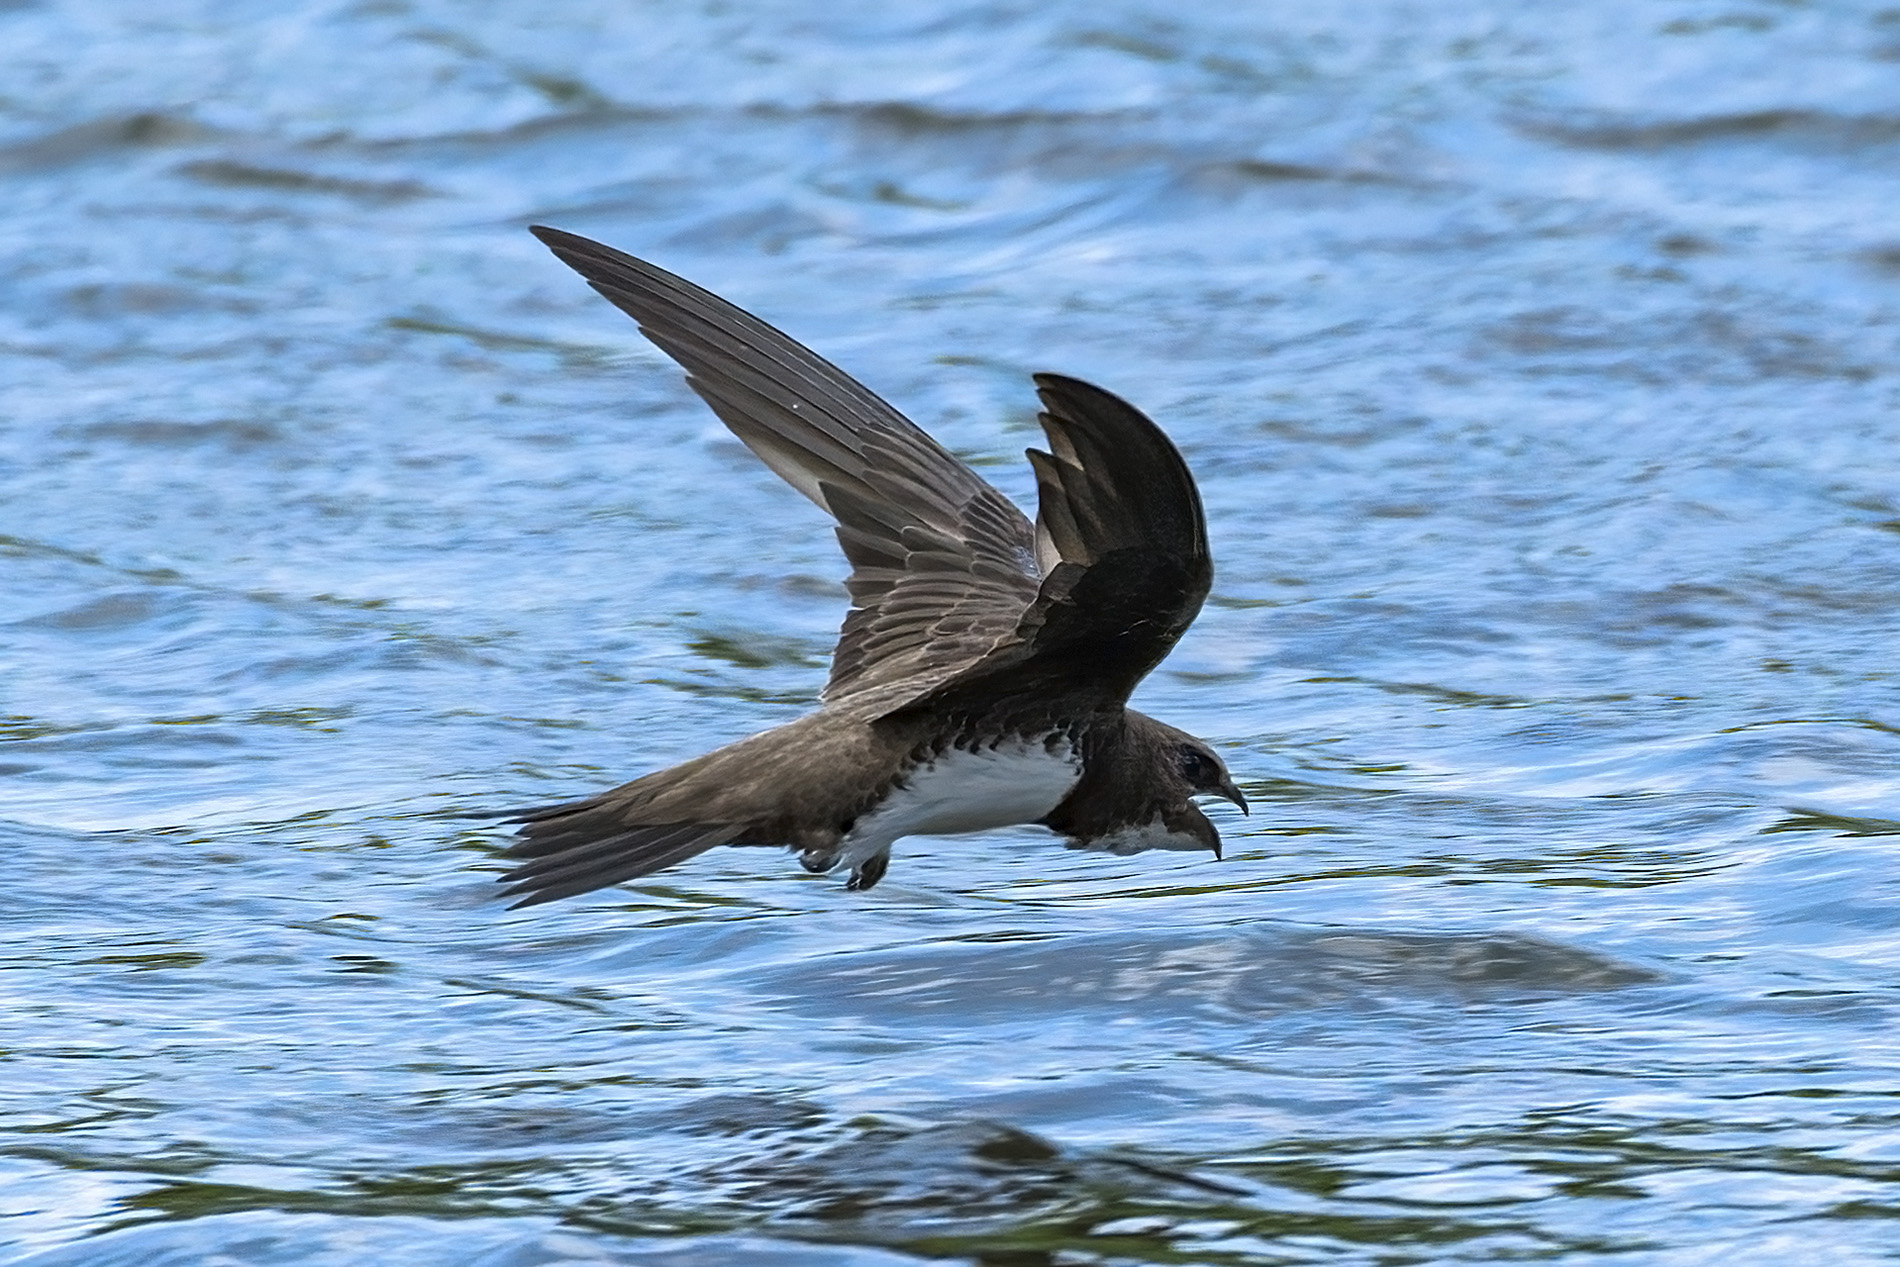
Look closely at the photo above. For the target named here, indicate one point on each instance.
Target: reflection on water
(1537, 366)
(1238, 974)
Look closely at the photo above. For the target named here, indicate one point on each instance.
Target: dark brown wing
(1123, 544)
(943, 565)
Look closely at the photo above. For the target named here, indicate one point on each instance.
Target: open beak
(1232, 793)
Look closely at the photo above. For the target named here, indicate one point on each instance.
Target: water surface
(1539, 368)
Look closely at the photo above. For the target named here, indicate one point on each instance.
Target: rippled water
(1539, 364)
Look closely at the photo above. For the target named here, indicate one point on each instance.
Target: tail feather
(577, 823)
(594, 861)
(538, 813)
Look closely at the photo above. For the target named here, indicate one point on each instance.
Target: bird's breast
(973, 789)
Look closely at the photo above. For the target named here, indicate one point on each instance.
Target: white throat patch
(1150, 835)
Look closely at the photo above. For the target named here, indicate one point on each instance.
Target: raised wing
(943, 565)
(1123, 545)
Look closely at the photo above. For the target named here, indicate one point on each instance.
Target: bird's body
(982, 674)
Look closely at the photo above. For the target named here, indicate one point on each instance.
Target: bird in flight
(982, 675)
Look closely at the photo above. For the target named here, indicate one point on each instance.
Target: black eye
(1196, 768)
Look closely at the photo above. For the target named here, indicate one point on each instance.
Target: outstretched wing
(1123, 545)
(943, 565)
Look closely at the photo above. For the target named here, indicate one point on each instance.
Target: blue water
(1540, 368)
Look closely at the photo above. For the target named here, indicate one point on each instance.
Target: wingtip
(572, 248)
(1058, 389)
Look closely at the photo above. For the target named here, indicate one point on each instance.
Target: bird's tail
(580, 846)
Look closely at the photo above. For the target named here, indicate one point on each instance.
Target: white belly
(969, 791)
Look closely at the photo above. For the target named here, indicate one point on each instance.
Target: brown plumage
(982, 673)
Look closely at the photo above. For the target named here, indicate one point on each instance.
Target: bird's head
(1174, 768)
(1204, 773)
